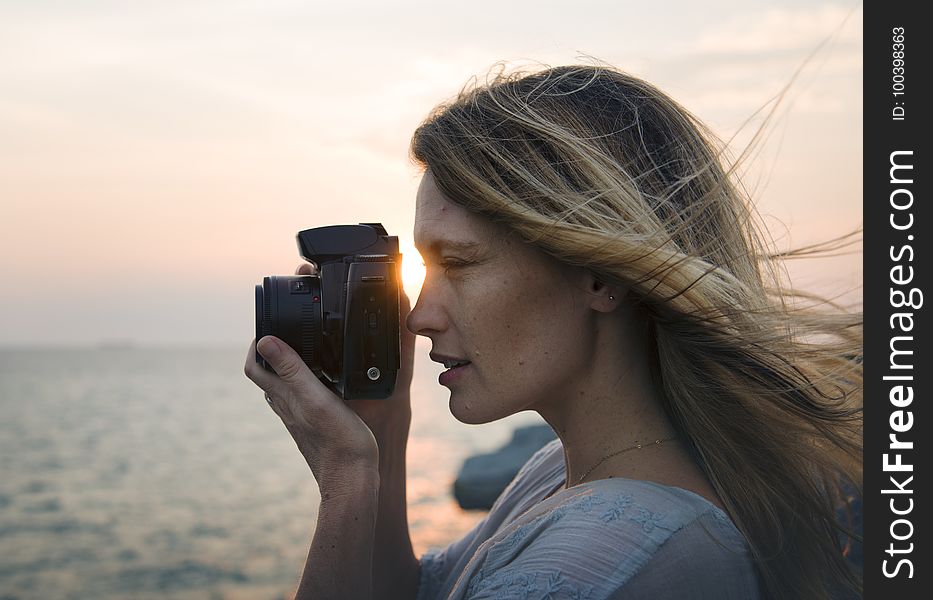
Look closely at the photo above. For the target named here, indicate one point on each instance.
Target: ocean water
(161, 473)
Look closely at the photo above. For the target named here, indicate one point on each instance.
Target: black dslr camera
(344, 321)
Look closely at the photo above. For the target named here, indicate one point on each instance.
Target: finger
(257, 374)
(306, 269)
(287, 364)
(293, 380)
(269, 383)
(281, 396)
(291, 376)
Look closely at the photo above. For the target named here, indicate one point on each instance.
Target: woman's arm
(343, 456)
(395, 568)
(338, 564)
(362, 524)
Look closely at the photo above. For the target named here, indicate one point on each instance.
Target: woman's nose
(427, 316)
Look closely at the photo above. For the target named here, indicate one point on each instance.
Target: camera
(343, 321)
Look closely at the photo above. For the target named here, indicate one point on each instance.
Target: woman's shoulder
(597, 537)
(538, 486)
(635, 510)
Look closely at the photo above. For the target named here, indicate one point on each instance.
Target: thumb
(284, 360)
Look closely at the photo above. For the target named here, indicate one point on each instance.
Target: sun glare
(412, 269)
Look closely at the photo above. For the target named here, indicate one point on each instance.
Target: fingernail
(268, 347)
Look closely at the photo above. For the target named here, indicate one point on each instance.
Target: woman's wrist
(344, 477)
(357, 485)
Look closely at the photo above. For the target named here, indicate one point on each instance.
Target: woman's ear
(604, 297)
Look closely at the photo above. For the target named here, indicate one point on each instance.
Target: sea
(133, 472)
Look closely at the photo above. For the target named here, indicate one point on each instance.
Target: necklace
(622, 451)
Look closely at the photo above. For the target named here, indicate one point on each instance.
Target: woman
(589, 258)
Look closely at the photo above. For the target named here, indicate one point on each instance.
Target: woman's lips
(453, 374)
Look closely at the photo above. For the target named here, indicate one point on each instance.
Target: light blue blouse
(611, 538)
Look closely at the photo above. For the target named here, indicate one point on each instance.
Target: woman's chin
(470, 412)
(465, 414)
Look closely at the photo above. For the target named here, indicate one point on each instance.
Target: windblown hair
(602, 170)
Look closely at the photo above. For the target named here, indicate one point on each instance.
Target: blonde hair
(604, 171)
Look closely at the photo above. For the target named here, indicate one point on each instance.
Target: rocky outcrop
(483, 477)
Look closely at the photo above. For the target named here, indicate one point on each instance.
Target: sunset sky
(157, 159)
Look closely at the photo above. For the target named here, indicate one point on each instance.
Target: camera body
(343, 321)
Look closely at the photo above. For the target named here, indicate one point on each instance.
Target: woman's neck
(611, 406)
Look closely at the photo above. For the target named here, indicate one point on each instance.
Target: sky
(157, 159)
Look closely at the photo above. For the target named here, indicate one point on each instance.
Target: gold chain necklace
(622, 451)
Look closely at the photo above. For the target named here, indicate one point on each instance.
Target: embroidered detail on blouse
(587, 503)
(648, 520)
(508, 544)
(506, 583)
(720, 516)
(556, 514)
(617, 508)
(550, 585)
(555, 581)
(517, 536)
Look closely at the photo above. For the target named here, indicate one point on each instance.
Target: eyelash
(451, 263)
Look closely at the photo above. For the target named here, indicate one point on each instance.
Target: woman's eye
(451, 263)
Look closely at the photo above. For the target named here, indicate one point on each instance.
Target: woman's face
(518, 319)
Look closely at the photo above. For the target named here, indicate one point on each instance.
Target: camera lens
(289, 307)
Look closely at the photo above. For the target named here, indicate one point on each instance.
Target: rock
(483, 477)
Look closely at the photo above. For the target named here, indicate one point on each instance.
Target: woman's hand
(331, 437)
(334, 436)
